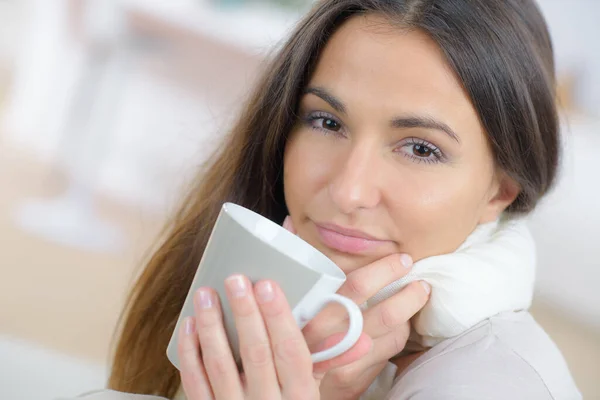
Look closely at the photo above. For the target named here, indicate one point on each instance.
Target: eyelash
(316, 116)
(436, 152)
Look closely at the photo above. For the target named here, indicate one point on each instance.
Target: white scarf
(493, 271)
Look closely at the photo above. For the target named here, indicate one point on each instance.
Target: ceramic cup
(244, 242)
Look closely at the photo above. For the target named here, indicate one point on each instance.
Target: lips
(347, 240)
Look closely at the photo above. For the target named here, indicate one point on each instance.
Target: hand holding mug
(387, 324)
(276, 360)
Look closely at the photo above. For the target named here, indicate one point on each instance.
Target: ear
(503, 192)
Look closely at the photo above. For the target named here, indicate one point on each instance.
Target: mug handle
(354, 330)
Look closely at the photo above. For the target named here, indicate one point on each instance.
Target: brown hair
(500, 50)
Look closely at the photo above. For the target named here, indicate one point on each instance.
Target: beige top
(508, 356)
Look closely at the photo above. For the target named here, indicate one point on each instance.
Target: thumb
(287, 224)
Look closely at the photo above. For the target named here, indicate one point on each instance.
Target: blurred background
(108, 106)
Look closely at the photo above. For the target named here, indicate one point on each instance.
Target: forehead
(371, 48)
(372, 65)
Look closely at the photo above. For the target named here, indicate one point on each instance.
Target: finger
(193, 376)
(388, 315)
(291, 354)
(289, 225)
(359, 374)
(360, 285)
(360, 349)
(388, 346)
(364, 283)
(216, 354)
(392, 333)
(383, 349)
(255, 346)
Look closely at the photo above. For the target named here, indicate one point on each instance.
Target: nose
(355, 183)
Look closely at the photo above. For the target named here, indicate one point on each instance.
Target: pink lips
(347, 240)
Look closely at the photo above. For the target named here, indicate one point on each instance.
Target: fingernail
(426, 286)
(265, 291)
(190, 326)
(406, 260)
(236, 285)
(204, 298)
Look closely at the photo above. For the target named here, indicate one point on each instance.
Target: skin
(419, 190)
(370, 176)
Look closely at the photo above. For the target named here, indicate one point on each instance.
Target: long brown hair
(500, 50)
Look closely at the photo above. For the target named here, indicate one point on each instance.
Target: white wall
(566, 227)
(575, 29)
(146, 131)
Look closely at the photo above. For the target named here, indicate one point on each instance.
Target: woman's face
(388, 155)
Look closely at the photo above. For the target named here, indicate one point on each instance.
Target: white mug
(244, 242)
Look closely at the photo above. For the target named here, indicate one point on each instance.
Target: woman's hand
(387, 324)
(275, 356)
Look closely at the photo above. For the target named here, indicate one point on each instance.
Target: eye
(323, 122)
(330, 124)
(420, 150)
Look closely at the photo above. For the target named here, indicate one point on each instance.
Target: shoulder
(113, 395)
(505, 357)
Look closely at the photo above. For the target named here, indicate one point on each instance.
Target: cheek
(435, 208)
(420, 199)
(456, 187)
(307, 166)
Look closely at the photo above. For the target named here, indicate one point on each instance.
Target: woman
(388, 131)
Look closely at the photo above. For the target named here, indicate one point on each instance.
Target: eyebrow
(412, 121)
(424, 122)
(333, 101)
